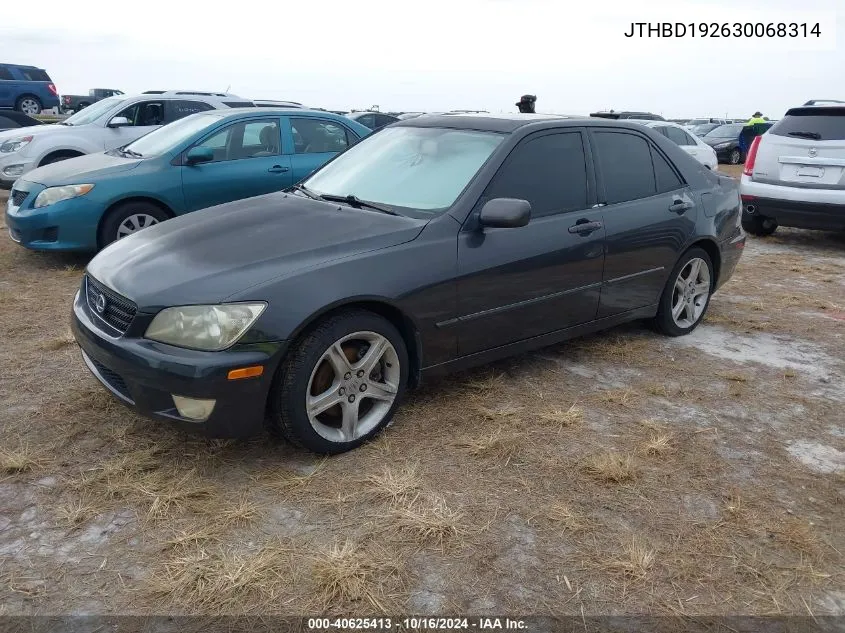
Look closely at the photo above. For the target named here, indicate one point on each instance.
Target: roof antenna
(228, 88)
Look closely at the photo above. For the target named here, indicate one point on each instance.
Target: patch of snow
(818, 457)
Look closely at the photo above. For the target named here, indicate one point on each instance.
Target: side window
(144, 113)
(180, 109)
(316, 136)
(667, 179)
(5, 73)
(248, 139)
(34, 74)
(625, 163)
(679, 137)
(663, 130)
(383, 119)
(549, 171)
(368, 119)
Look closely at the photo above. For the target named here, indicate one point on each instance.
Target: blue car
(202, 160)
(27, 89)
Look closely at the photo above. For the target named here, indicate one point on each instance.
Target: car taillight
(66, 99)
(752, 156)
(52, 88)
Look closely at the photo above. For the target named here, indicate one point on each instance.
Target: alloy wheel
(30, 106)
(353, 386)
(135, 223)
(735, 157)
(690, 294)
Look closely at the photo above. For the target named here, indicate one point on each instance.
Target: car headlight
(722, 145)
(57, 194)
(209, 328)
(15, 144)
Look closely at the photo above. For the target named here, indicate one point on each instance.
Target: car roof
(279, 110)
(505, 122)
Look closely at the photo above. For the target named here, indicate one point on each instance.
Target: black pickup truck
(76, 103)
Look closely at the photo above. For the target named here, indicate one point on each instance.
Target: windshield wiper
(812, 135)
(307, 192)
(355, 201)
(129, 152)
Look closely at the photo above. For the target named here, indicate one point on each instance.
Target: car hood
(716, 140)
(33, 130)
(83, 169)
(224, 252)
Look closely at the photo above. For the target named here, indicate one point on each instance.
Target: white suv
(107, 124)
(795, 173)
(687, 141)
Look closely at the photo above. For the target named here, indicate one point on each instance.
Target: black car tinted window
(679, 137)
(5, 73)
(368, 120)
(667, 178)
(625, 163)
(549, 171)
(179, 109)
(34, 74)
(816, 124)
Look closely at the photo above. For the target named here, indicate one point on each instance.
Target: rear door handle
(679, 206)
(585, 227)
(278, 169)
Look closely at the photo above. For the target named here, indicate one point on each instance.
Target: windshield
(726, 131)
(171, 136)
(704, 128)
(423, 169)
(93, 111)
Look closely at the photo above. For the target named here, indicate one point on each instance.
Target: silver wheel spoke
(349, 426)
(701, 289)
(338, 360)
(326, 400)
(372, 356)
(678, 309)
(381, 391)
(695, 269)
(680, 285)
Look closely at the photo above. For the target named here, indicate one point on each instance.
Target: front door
(315, 141)
(248, 161)
(516, 283)
(649, 217)
(143, 116)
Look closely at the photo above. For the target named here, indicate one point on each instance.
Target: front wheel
(687, 294)
(735, 157)
(129, 218)
(341, 385)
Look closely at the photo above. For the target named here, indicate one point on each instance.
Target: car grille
(112, 379)
(18, 197)
(114, 310)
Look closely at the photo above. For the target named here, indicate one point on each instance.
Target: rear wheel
(128, 218)
(29, 105)
(687, 294)
(735, 157)
(341, 385)
(759, 225)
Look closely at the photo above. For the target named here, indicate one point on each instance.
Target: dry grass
(659, 444)
(77, 512)
(565, 517)
(239, 514)
(635, 560)
(799, 535)
(349, 574)
(499, 444)
(489, 413)
(624, 398)
(562, 417)
(20, 460)
(428, 520)
(58, 343)
(612, 467)
(733, 376)
(395, 484)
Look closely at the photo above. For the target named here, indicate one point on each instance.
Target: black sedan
(12, 119)
(439, 243)
(372, 120)
(725, 140)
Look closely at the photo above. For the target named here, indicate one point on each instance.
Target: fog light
(192, 408)
(13, 170)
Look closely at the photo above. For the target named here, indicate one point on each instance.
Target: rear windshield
(34, 74)
(813, 124)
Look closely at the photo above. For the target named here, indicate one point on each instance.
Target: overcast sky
(436, 54)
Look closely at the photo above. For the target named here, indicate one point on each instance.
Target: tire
(696, 297)
(57, 158)
(120, 220)
(28, 104)
(308, 372)
(735, 157)
(759, 225)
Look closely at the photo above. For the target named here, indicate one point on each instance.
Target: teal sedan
(202, 160)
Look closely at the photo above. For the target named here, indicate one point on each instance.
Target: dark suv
(642, 116)
(27, 89)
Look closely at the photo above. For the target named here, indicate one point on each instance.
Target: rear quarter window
(5, 73)
(813, 124)
(35, 74)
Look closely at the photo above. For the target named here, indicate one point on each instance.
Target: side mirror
(197, 155)
(119, 121)
(505, 213)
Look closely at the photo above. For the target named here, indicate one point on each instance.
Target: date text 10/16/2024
(724, 29)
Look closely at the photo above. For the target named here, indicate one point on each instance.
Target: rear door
(248, 162)
(179, 109)
(805, 149)
(314, 142)
(516, 283)
(649, 215)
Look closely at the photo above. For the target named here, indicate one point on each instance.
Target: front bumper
(16, 165)
(69, 225)
(804, 208)
(145, 375)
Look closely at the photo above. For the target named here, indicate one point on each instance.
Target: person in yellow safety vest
(757, 118)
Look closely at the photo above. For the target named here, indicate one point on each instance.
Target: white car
(795, 173)
(702, 121)
(687, 141)
(105, 125)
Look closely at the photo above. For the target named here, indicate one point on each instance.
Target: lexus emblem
(813, 152)
(101, 304)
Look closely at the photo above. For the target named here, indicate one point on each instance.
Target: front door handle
(679, 206)
(585, 227)
(278, 169)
